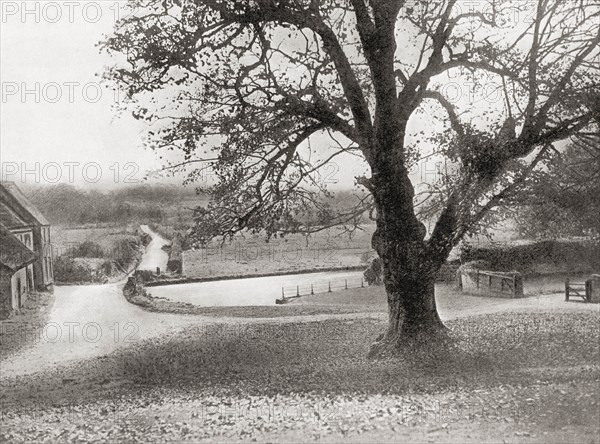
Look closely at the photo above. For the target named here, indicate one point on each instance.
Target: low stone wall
(175, 256)
(447, 273)
(135, 288)
(159, 281)
(490, 283)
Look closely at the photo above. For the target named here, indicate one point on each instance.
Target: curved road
(155, 256)
(88, 321)
(94, 320)
(255, 290)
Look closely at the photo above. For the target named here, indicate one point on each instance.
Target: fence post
(297, 290)
(477, 278)
(329, 287)
(282, 293)
(362, 283)
(567, 290)
(588, 290)
(518, 291)
(311, 289)
(346, 284)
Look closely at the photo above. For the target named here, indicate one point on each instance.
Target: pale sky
(67, 116)
(57, 122)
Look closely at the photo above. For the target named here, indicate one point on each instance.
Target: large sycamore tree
(255, 86)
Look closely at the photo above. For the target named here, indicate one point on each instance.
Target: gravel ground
(84, 322)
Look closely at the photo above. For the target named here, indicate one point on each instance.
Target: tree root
(434, 344)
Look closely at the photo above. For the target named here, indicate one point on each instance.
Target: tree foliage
(565, 200)
(374, 271)
(252, 82)
(269, 91)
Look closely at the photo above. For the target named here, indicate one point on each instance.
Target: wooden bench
(578, 289)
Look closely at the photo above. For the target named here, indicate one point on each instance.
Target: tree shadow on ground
(325, 357)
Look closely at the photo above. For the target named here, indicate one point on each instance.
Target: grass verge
(160, 305)
(517, 377)
(529, 377)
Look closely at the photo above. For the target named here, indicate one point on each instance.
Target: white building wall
(19, 276)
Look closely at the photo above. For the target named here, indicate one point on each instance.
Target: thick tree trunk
(412, 311)
(409, 269)
(409, 279)
(410, 262)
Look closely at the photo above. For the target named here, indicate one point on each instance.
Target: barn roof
(18, 196)
(13, 254)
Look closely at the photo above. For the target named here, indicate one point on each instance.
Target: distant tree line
(66, 204)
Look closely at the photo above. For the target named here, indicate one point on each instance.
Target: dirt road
(92, 320)
(85, 322)
(154, 256)
(95, 320)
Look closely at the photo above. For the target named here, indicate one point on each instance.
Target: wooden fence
(295, 291)
(491, 283)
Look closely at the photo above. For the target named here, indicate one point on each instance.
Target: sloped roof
(9, 218)
(20, 198)
(13, 254)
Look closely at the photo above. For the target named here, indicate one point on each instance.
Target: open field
(250, 254)
(93, 253)
(64, 238)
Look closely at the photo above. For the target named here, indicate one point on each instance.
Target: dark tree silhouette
(253, 86)
(564, 200)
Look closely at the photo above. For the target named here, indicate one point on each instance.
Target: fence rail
(579, 289)
(295, 291)
(491, 283)
(509, 283)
